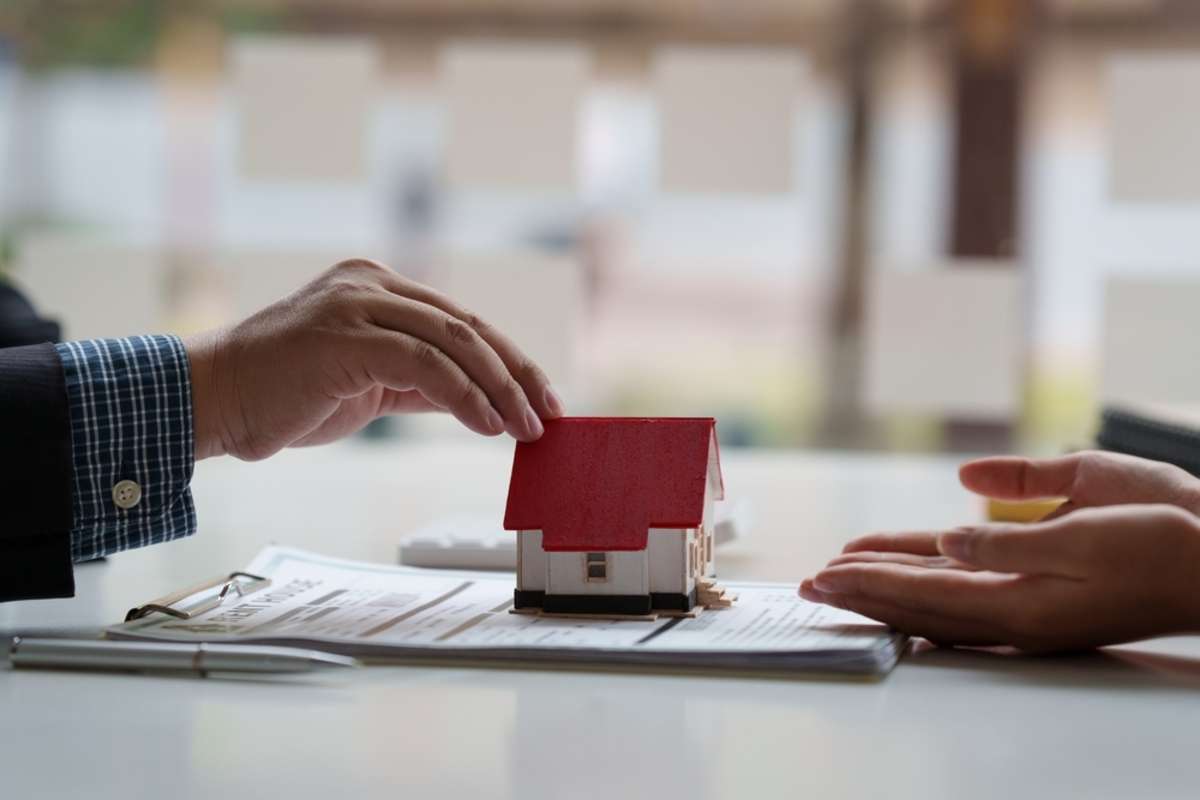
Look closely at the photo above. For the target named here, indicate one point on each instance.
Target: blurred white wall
(911, 148)
(303, 106)
(513, 113)
(90, 151)
(1153, 128)
(94, 287)
(257, 278)
(10, 89)
(1151, 343)
(726, 117)
(945, 342)
(787, 227)
(1076, 233)
(307, 145)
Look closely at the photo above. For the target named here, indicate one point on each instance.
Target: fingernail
(533, 424)
(957, 544)
(831, 583)
(554, 403)
(807, 591)
(495, 422)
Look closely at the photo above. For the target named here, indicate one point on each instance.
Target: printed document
(387, 613)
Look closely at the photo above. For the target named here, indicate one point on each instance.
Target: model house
(615, 516)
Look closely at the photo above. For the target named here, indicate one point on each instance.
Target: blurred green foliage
(111, 33)
(102, 33)
(241, 18)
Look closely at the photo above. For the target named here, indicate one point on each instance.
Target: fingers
(404, 363)
(921, 543)
(409, 402)
(926, 562)
(1063, 509)
(1015, 478)
(966, 595)
(528, 374)
(1054, 585)
(469, 351)
(1050, 548)
(1086, 479)
(937, 628)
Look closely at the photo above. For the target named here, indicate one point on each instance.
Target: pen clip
(237, 583)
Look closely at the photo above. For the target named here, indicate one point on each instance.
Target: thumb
(1039, 549)
(1015, 478)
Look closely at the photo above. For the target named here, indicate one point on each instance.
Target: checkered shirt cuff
(132, 443)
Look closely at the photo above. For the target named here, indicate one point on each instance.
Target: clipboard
(385, 614)
(240, 584)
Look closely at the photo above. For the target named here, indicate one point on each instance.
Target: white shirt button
(127, 494)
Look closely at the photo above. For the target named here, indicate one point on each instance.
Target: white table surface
(1122, 723)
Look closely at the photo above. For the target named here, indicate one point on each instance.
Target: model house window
(597, 566)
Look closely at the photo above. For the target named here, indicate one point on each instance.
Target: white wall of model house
(627, 574)
(666, 554)
(664, 566)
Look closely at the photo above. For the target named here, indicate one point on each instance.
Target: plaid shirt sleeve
(130, 403)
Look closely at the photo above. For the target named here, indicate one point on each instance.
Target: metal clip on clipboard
(238, 583)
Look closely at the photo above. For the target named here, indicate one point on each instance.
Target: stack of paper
(383, 613)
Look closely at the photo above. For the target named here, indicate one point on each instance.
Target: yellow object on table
(1020, 510)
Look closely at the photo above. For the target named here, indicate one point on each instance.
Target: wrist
(202, 350)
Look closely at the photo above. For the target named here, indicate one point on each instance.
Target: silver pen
(100, 654)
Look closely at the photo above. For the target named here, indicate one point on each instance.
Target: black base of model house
(631, 604)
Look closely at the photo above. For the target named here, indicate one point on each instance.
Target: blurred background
(887, 224)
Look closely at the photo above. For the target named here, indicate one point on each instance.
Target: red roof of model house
(594, 483)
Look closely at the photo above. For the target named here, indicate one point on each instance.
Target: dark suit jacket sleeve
(35, 492)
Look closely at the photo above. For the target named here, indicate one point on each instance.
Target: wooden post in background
(984, 206)
(844, 424)
(987, 108)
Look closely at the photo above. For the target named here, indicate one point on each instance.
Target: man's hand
(1086, 480)
(358, 342)
(1087, 579)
